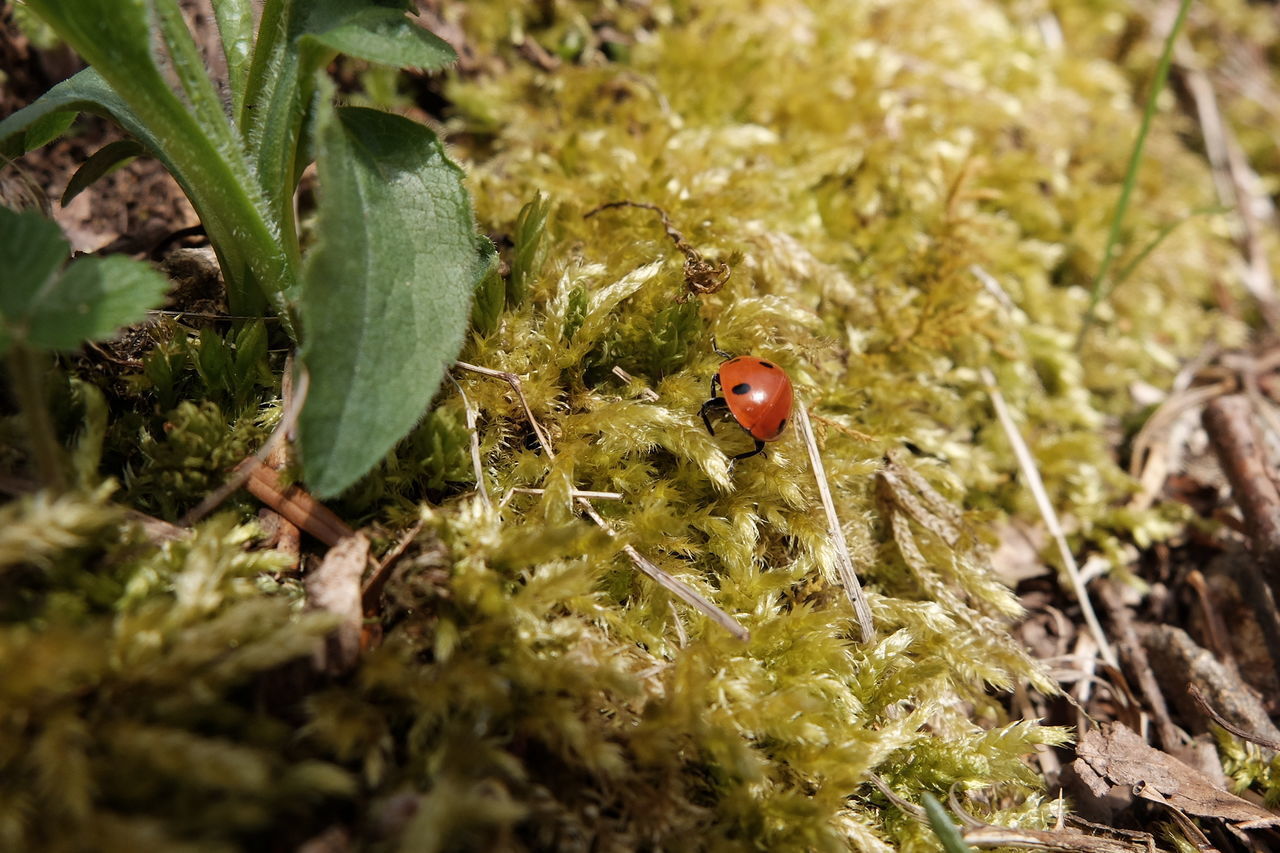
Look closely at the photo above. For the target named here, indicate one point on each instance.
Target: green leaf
(386, 291)
(189, 67)
(100, 163)
(385, 36)
(52, 113)
(250, 367)
(93, 299)
(491, 294)
(295, 41)
(235, 31)
(90, 301)
(32, 249)
(37, 131)
(214, 361)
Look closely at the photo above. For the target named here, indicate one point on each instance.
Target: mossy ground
(864, 168)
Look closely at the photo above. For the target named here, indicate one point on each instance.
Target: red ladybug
(757, 394)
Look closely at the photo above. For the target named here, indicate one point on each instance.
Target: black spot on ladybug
(742, 388)
(781, 424)
(766, 364)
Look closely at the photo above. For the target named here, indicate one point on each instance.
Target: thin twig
(645, 392)
(700, 275)
(844, 563)
(294, 503)
(286, 537)
(1216, 628)
(906, 806)
(1238, 186)
(514, 381)
(1028, 466)
(1039, 839)
(959, 810)
(676, 587)
(372, 590)
(575, 493)
(1242, 455)
(1253, 737)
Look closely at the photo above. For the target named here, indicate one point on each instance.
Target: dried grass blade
(1036, 484)
(844, 563)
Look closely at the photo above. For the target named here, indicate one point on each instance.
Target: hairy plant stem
(26, 372)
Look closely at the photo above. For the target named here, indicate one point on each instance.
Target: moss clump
(128, 718)
(905, 197)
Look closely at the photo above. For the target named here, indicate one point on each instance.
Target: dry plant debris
(1116, 756)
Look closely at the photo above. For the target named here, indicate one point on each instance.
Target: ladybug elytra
(757, 393)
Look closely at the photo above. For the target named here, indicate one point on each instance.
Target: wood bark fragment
(1236, 441)
(1116, 756)
(1178, 660)
(294, 503)
(1229, 422)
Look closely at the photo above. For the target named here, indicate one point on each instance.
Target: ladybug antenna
(719, 351)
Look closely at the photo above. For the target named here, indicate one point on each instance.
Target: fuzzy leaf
(299, 40)
(125, 83)
(90, 301)
(31, 250)
(193, 141)
(51, 114)
(386, 291)
(94, 298)
(379, 34)
(235, 31)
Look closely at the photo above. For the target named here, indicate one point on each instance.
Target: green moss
(904, 197)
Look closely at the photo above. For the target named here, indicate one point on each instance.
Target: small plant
(48, 305)
(379, 305)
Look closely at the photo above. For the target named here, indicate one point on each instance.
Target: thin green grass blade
(948, 834)
(1154, 243)
(1131, 173)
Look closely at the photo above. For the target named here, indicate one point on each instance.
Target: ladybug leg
(716, 405)
(749, 453)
